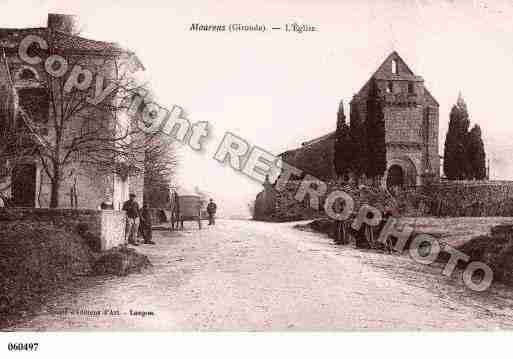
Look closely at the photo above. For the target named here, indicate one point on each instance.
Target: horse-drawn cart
(185, 206)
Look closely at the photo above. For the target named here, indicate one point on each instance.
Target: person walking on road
(132, 220)
(211, 210)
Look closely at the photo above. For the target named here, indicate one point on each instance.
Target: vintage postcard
(261, 166)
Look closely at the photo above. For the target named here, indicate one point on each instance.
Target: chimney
(63, 23)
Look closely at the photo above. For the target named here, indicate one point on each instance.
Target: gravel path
(242, 275)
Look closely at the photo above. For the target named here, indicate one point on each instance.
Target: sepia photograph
(255, 167)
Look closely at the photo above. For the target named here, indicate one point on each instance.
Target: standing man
(146, 223)
(176, 211)
(132, 220)
(211, 210)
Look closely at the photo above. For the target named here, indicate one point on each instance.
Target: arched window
(395, 69)
(26, 74)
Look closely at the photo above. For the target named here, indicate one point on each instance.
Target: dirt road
(242, 275)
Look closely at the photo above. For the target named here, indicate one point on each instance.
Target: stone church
(411, 129)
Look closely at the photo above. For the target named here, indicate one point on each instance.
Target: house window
(390, 87)
(26, 74)
(36, 102)
(410, 88)
(395, 70)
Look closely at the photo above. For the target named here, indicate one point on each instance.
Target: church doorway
(24, 185)
(395, 177)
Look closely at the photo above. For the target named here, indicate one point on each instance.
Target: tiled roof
(6, 32)
(327, 136)
(314, 158)
(63, 41)
(60, 40)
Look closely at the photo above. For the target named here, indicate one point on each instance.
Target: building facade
(411, 129)
(28, 184)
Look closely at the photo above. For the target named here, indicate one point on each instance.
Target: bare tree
(160, 165)
(95, 113)
(84, 128)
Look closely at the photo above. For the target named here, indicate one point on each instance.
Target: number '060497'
(31, 347)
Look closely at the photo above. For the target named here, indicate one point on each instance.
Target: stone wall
(470, 198)
(281, 206)
(285, 207)
(404, 124)
(450, 199)
(106, 227)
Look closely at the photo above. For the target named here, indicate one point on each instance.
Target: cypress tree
(358, 145)
(476, 154)
(342, 150)
(375, 130)
(457, 151)
(452, 164)
(463, 135)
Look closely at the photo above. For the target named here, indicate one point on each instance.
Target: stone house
(28, 185)
(411, 129)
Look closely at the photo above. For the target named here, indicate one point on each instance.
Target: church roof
(384, 72)
(319, 139)
(306, 158)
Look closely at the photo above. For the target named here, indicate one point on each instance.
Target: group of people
(139, 221)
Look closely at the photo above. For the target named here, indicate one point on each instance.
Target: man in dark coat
(146, 224)
(211, 210)
(131, 207)
(175, 213)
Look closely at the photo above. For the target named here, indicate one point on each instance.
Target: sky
(278, 89)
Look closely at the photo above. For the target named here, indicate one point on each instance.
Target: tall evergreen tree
(452, 151)
(342, 150)
(464, 124)
(456, 152)
(358, 148)
(476, 154)
(375, 130)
